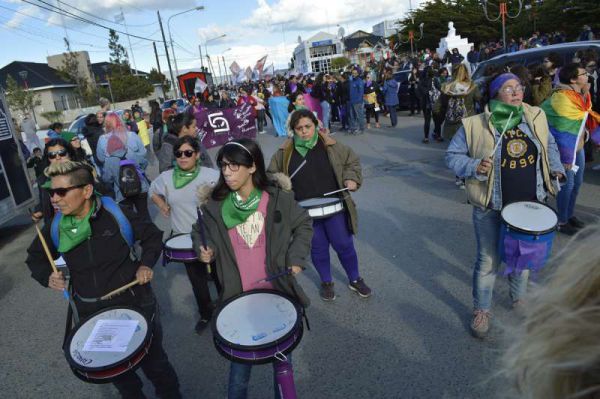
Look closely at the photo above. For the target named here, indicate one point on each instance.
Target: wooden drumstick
(49, 256)
(203, 235)
(119, 290)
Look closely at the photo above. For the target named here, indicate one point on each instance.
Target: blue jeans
(487, 233)
(326, 111)
(393, 115)
(566, 198)
(356, 116)
(239, 376)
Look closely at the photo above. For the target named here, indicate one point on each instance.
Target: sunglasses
(187, 153)
(62, 191)
(59, 153)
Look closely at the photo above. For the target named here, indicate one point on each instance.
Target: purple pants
(333, 231)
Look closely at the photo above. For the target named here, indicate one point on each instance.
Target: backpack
(113, 208)
(456, 109)
(130, 182)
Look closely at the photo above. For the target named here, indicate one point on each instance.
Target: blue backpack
(113, 208)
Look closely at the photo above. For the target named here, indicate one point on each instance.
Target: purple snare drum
(180, 248)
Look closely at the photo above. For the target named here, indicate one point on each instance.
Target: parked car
(403, 97)
(182, 104)
(76, 126)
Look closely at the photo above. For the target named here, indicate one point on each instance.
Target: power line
(100, 18)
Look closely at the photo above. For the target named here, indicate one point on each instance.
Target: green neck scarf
(303, 146)
(297, 107)
(73, 231)
(182, 177)
(235, 210)
(500, 113)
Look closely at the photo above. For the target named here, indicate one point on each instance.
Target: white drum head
(530, 216)
(98, 341)
(314, 202)
(183, 241)
(256, 319)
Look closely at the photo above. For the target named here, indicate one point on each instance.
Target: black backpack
(130, 181)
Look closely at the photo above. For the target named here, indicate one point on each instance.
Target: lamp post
(502, 14)
(411, 38)
(225, 66)
(199, 8)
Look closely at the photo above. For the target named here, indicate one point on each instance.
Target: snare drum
(179, 248)
(319, 208)
(108, 343)
(257, 327)
(528, 229)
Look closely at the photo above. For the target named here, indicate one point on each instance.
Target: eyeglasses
(513, 90)
(234, 167)
(59, 153)
(590, 66)
(582, 74)
(187, 153)
(62, 191)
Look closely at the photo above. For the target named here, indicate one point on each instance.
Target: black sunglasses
(54, 154)
(62, 191)
(187, 153)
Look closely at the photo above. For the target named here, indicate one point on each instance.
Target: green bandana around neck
(297, 107)
(303, 146)
(235, 210)
(73, 231)
(500, 113)
(182, 177)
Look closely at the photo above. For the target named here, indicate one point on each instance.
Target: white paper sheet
(110, 336)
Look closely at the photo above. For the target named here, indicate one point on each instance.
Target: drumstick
(49, 256)
(119, 290)
(274, 276)
(502, 134)
(336, 191)
(203, 234)
(298, 169)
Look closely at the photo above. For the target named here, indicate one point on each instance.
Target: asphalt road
(410, 340)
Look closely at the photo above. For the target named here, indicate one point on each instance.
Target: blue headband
(499, 81)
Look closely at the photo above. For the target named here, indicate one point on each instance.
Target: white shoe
(262, 132)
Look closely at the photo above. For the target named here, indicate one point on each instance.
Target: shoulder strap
(124, 225)
(54, 229)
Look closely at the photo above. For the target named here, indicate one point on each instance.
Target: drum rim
(217, 335)
(337, 200)
(530, 232)
(165, 246)
(77, 366)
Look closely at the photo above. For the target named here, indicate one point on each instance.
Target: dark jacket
(288, 232)
(357, 90)
(95, 270)
(92, 132)
(44, 205)
(38, 165)
(343, 92)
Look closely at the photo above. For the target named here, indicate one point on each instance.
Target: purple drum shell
(260, 355)
(180, 255)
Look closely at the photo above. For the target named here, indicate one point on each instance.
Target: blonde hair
(555, 352)
(78, 172)
(460, 74)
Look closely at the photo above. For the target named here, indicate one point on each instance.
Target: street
(409, 340)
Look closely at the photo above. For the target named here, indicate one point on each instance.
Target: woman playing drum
(522, 168)
(173, 192)
(254, 230)
(318, 165)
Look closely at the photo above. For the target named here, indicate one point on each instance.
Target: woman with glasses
(524, 167)
(57, 150)
(173, 192)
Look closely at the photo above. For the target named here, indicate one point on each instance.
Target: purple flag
(314, 105)
(217, 126)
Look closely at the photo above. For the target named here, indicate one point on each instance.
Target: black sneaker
(575, 222)
(327, 293)
(360, 288)
(201, 326)
(567, 229)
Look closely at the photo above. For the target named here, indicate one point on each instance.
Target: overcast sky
(253, 28)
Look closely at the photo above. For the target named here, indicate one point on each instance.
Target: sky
(252, 28)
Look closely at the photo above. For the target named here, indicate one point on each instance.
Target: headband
(240, 145)
(497, 83)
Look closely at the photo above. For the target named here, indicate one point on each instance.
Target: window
(321, 65)
(322, 51)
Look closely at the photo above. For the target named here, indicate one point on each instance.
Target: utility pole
(173, 83)
(162, 86)
(201, 60)
(220, 73)
(225, 67)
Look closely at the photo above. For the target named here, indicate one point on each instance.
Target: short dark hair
(64, 144)
(302, 113)
(56, 125)
(191, 141)
(236, 154)
(177, 123)
(36, 149)
(555, 59)
(569, 72)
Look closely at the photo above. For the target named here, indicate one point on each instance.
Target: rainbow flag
(566, 110)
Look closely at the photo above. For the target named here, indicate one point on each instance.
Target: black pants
(198, 275)
(140, 203)
(414, 101)
(261, 120)
(370, 111)
(437, 126)
(335, 113)
(155, 364)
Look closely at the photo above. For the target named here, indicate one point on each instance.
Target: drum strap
(305, 318)
(72, 315)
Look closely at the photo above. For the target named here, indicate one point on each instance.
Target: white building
(386, 28)
(315, 54)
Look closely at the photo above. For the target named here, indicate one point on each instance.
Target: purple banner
(217, 126)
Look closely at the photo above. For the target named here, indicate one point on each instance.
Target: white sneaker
(262, 132)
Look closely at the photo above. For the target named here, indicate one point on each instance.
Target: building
(83, 59)
(386, 28)
(361, 48)
(315, 54)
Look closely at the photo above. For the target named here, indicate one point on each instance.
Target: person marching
(319, 164)
(95, 248)
(254, 229)
(521, 169)
(173, 192)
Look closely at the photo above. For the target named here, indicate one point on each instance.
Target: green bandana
(500, 113)
(235, 210)
(297, 107)
(303, 146)
(73, 231)
(182, 177)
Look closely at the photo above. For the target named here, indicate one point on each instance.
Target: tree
(18, 98)
(118, 54)
(71, 71)
(339, 63)
(159, 78)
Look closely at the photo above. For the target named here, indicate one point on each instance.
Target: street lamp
(199, 8)
(503, 13)
(411, 38)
